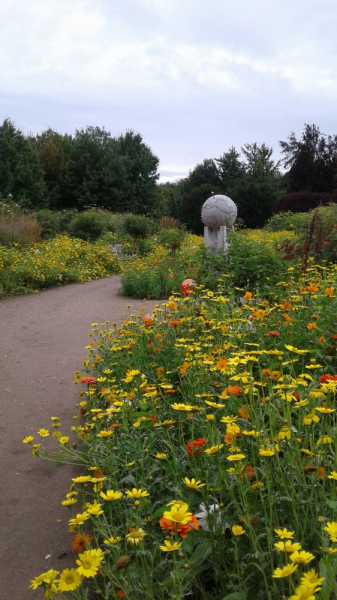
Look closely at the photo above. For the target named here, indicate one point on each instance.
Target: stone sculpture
(218, 214)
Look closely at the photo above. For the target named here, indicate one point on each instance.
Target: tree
(54, 150)
(231, 170)
(21, 174)
(312, 161)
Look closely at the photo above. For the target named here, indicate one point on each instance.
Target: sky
(192, 77)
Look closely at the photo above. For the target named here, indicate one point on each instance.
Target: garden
(206, 431)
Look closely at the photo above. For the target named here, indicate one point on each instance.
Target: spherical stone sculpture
(219, 210)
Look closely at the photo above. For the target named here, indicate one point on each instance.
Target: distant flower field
(60, 260)
(207, 437)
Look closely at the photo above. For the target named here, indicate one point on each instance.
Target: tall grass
(22, 229)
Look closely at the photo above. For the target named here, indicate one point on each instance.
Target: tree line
(92, 168)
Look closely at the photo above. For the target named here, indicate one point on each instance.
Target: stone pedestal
(217, 239)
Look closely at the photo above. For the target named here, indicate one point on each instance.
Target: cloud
(193, 76)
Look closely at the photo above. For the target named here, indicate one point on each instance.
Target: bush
(89, 225)
(137, 225)
(304, 201)
(278, 221)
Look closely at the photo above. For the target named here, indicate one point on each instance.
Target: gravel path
(42, 340)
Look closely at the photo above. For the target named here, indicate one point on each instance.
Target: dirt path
(42, 340)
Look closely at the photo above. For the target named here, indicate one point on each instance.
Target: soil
(42, 342)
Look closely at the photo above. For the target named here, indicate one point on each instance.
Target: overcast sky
(193, 77)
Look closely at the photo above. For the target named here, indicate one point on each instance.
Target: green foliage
(312, 161)
(21, 175)
(172, 238)
(137, 225)
(89, 225)
(53, 223)
(279, 221)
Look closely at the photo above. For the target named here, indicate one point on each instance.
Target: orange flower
(229, 439)
(320, 472)
(174, 323)
(120, 594)
(321, 339)
(235, 390)
(329, 291)
(273, 333)
(243, 413)
(184, 368)
(248, 296)
(79, 543)
(311, 326)
(183, 530)
(286, 305)
(171, 276)
(312, 288)
(222, 363)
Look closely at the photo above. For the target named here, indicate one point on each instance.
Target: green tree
(311, 160)
(231, 171)
(54, 150)
(21, 174)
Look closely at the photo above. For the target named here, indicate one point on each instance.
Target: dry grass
(22, 230)
(169, 223)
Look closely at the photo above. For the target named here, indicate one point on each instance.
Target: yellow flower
(214, 449)
(284, 534)
(63, 440)
(214, 404)
(331, 528)
(210, 418)
(69, 502)
(28, 439)
(135, 536)
(266, 452)
(79, 519)
(285, 572)
(228, 419)
(136, 494)
(288, 546)
(89, 561)
(69, 580)
(310, 578)
(238, 530)
(326, 411)
(104, 434)
(257, 485)
(296, 350)
(325, 439)
(303, 592)
(112, 540)
(43, 432)
(333, 475)
(111, 495)
(181, 406)
(178, 514)
(170, 547)
(193, 484)
(162, 455)
(234, 457)
(47, 577)
(310, 418)
(81, 479)
(301, 558)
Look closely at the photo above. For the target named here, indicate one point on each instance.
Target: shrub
(172, 239)
(304, 201)
(137, 225)
(89, 225)
(169, 223)
(278, 221)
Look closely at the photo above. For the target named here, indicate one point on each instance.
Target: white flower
(205, 513)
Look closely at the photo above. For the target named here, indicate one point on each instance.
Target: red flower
(324, 378)
(153, 417)
(334, 336)
(196, 444)
(174, 323)
(88, 380)
(326, 243)
(273, 333)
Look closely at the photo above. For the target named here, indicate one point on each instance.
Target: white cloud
(181, 71)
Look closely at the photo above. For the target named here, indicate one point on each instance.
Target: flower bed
(55, 261)
(208, 440)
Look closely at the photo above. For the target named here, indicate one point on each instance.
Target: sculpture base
(216, 239)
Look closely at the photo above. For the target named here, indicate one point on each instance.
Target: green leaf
(236, 596)
(332, 503)
(188, 543)
(199, 555)
(159, 512)
(143, 405)
(146, 424)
